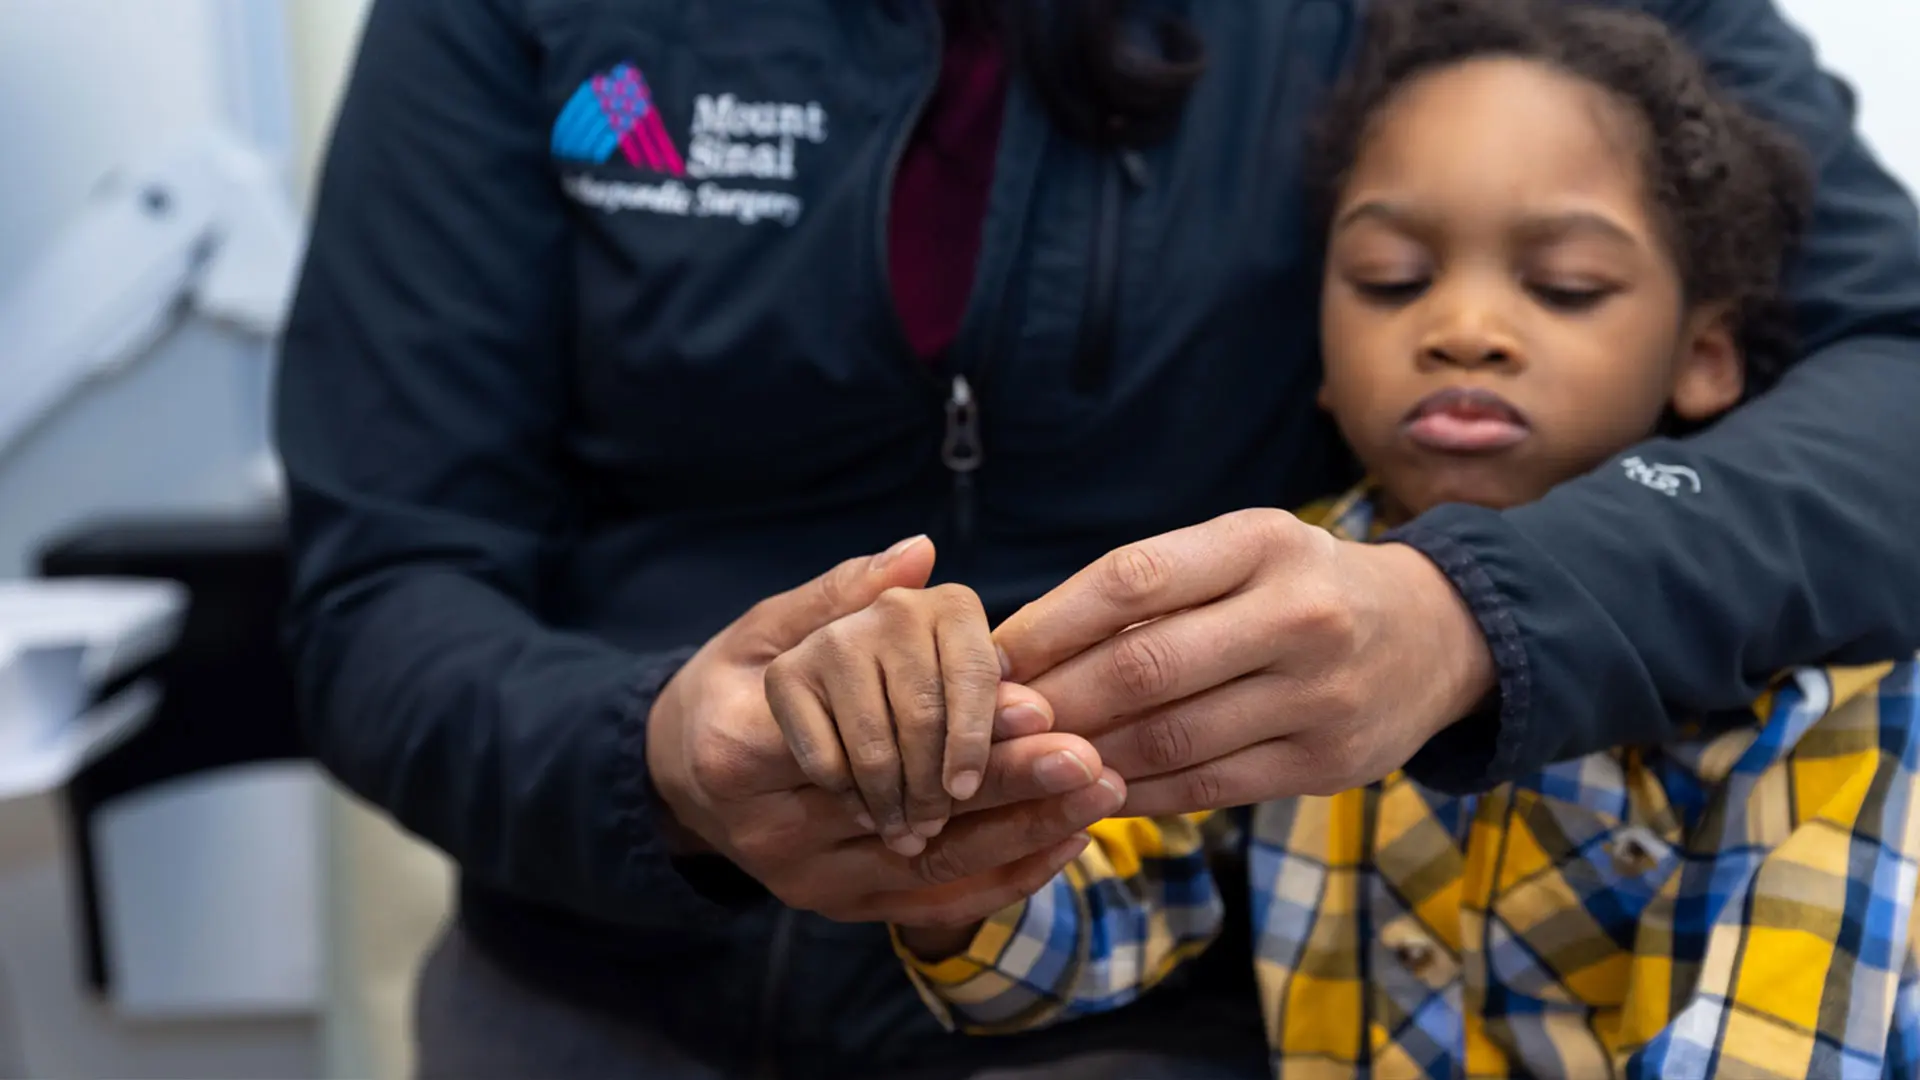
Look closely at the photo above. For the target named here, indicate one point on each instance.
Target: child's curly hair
(1732, 192)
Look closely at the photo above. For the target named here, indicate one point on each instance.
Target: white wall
(321, 37)
(127, 75)
(85, 86)
(118, 97)
(1871, 43)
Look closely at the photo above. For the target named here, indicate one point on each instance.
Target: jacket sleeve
(421, 395)
(1136, 904)
(1677, 579)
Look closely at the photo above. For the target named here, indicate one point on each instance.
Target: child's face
(1501, 313)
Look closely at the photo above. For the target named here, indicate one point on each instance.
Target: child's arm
(1137, 903)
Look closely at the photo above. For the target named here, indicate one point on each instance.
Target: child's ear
(1709, 374)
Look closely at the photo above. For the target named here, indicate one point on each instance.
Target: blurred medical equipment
(160, 845)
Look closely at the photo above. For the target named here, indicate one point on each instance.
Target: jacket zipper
(1125, 168)
(960, 453)
(960, 442)
(962, 448)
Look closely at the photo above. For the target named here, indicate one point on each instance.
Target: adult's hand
(722, 768)
(1249, 658)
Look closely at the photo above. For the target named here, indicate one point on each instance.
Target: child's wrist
(933, 944)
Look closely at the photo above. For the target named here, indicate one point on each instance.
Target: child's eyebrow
(1547, 227)
(1534, 228)
(1378, 210)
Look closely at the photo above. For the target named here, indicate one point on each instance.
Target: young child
(1549, 238)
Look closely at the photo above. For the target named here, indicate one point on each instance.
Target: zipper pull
(960, 450)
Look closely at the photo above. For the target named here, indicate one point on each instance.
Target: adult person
(622, 317)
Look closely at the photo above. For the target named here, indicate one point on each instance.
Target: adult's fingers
(1033, 767)
(1213, 724)
(1255, 774)
(1018, 711)
(979, 843)
(976, 898)
(970, 674)
(1026, 770)
(1135, 583)
(1021, 769)
(1170, 659)
(783, 621)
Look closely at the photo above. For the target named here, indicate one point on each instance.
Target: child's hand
(893, 707)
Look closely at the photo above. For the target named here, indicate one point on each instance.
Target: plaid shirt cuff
(1016, 973)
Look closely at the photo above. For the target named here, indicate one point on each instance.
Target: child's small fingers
(970, 674)
(857, 701)
(808, 727)
(911, 668)
(1020, 711)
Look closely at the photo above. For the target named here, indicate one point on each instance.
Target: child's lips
(1463, 420)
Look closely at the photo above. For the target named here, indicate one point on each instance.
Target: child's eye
(1403, 291)
(1570, 298)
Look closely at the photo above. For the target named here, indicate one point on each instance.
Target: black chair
(226, 696)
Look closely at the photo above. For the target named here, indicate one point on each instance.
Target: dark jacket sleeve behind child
(1679, 578)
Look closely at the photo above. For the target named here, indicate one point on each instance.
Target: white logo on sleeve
(1669, 480)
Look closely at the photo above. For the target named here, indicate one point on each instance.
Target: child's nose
(1470, 335)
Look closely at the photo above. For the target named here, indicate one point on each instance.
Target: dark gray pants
(477, 1021)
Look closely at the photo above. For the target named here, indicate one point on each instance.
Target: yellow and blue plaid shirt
(1736, 905)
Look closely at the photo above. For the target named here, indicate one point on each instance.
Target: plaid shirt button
(1635, 851)
(1414, 951)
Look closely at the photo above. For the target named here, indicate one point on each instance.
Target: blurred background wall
(1871, 43)
(88, 86)
(321, 36)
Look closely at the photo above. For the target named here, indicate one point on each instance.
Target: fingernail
(1023, 718)
(908, 845)
(894, 826)
(1118, 798)
(881, 560)
(1061, 772)
(1006, 662)
(929, 829)
(965, 785)
(865, 821)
